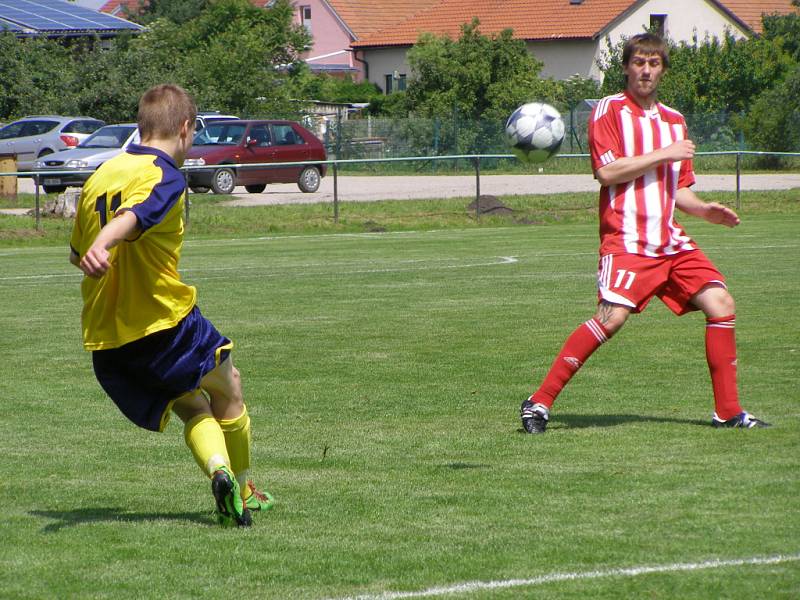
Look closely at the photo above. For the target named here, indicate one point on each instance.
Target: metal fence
(334, 164)
(383, 137)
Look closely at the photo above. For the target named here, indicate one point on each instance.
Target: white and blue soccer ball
(535, 132)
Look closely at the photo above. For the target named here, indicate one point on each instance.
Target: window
(259, 135)
(286, 136)
(84, 126)
(395, 82)
(11, 131)
(305, 17)
(37, 127)
(658, 24)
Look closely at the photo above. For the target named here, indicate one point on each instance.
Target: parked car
(254, 141)
(33, 137)
(204, 118)
(105, 143)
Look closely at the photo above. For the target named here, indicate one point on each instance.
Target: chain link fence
(381, 137)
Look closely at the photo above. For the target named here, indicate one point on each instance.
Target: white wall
(685, 19)
(564, 58)
(383, 61)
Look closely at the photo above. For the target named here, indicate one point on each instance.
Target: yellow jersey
(142, 292)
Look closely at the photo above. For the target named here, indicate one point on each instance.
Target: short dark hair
(163, 109)
(645, 43)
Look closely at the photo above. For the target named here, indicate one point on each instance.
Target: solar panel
(57, 16)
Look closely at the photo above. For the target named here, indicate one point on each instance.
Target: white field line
(300, 270)
(475, 586)
(503, 260)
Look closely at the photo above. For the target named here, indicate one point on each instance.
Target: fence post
(37, 212)
(477, 187)
(738, 179)
(436, 126)
(336, 192)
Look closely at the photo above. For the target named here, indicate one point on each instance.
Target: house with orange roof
(336, 24)
(568, 36)
(369, 39)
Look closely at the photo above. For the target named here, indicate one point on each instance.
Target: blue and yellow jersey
(142, 292)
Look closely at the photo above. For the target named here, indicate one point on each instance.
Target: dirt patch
(373, 227)
(489, 205)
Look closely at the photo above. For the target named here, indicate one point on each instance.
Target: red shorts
(632, 280)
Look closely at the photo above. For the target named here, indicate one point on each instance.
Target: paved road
(367, 188)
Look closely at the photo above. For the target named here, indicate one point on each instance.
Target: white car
(204, 118)
(33, 137)
(59, 171)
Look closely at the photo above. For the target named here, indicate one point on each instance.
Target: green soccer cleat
(231, 511)
(258, 501)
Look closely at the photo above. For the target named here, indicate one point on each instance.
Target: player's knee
(727, 305)
(191, 405)
(717, 302)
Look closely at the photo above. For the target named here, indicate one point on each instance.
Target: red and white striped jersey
(637, 217)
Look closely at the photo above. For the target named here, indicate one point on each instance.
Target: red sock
(576, 350)
(721, 357)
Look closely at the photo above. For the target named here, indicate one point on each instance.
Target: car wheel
(224, 181)
(309, 180)
(256, 188)
(44, 152)
(54, 189)
(200, 189)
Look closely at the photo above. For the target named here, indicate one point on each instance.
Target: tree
(784, 30)
(475, 76)
(327, 88)
(773, 122)
(470, 86)
(38, 74)
(232, 56)
(177, 11)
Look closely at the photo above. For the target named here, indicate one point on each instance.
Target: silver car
(33, 137)
(54, 170)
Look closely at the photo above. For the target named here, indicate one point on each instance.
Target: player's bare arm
(95, 262)
(713, 212)
(628, 168)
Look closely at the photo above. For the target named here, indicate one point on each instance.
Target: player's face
(644, 73)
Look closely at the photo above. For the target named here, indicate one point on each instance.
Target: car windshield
(222, 133)
(111, 136)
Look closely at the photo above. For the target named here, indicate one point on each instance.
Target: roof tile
(365, 17)
(751, 11)
(540, 20)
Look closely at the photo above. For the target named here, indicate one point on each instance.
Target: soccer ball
(535, 131)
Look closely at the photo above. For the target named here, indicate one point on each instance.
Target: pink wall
(331, 40)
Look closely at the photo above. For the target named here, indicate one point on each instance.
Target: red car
(241, 142)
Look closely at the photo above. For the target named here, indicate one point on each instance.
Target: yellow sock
(205, 439)
(237, 440)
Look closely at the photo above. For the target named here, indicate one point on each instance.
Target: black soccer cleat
(743, 420)
(534, 416)
(231, 509)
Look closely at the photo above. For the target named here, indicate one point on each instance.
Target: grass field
(384, 373)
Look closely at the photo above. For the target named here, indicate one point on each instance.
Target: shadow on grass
(569, 421)
(461, 466)
(81, 516)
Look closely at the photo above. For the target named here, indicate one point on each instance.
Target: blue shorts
(144, 377)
